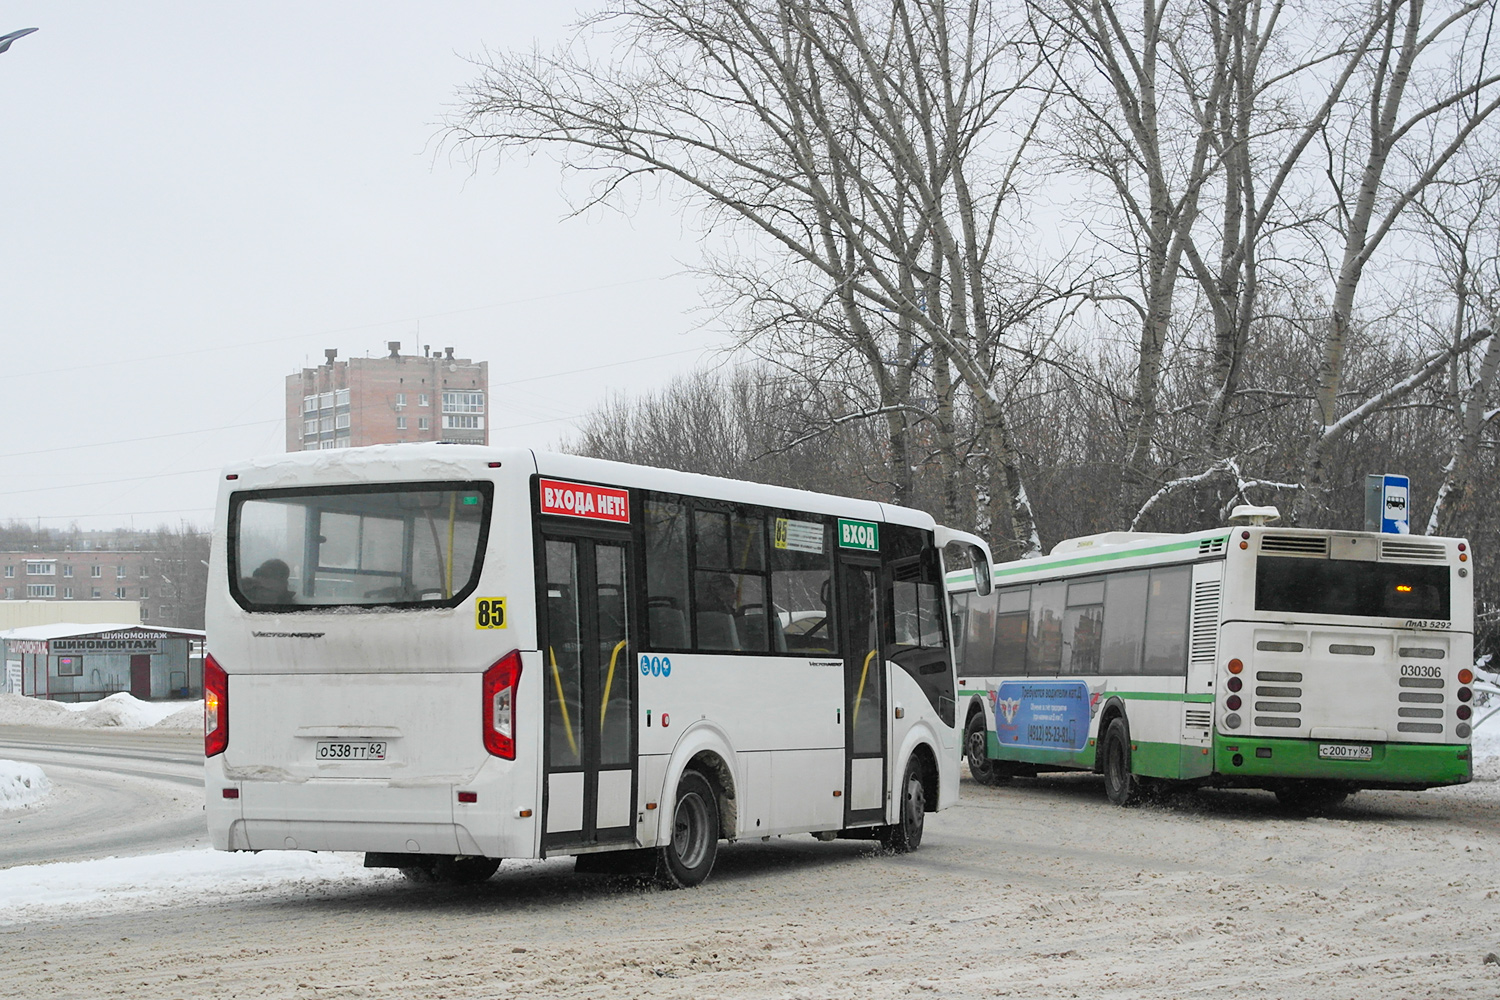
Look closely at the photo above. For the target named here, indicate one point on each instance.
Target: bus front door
(589, 742)
(864, 695)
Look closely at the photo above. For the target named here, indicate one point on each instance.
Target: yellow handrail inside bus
(854, 723)
(452, 504)
(562, 702)
(609, 682)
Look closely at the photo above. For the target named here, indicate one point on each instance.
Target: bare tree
(875, 150)
(1429, 88)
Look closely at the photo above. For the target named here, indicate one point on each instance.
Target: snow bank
(21, 785)
(119, 711)
(28, 892)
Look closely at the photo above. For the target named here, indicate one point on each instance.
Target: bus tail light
(215, 708)
(1466, 676)
(500, 683)
(1235, 666)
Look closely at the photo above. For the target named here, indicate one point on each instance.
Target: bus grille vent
(1419, 727)
(1211, 546)
(1205, 637)
(1199, 718)
(1277, 722)
(1304, 545)
(1409, 551)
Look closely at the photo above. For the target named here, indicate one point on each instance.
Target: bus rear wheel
(906, 833)
(688, 857)
(976, 746)
(1121, 785)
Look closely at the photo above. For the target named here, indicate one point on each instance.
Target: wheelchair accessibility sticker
(655, 665)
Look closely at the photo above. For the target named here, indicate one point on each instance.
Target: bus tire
(906, 833)
(1311, 796)
(1121, 785)
(687, 858)
(976, 745)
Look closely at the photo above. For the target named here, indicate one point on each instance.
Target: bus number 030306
(1420, 670)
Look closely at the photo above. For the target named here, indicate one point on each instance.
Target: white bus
(445, 656)
(1308, 662)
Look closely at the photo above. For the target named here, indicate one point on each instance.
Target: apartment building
(387, 400)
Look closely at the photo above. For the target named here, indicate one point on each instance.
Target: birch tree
(1429, 90)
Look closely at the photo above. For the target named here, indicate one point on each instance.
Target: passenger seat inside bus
(668, 627)
(716, 630)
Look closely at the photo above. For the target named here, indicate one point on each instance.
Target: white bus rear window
(417, 545)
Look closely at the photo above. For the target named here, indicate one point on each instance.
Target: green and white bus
(1312, 663)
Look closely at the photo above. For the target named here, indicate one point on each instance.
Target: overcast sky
(199, 198)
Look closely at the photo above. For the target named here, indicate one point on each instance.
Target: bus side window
(1167, 621)
(1124, 623)
(730, 598)
(916, 615)
(1012, 627)
(666, 575)
(802, 595)
(1044, 648)
(1082, 624)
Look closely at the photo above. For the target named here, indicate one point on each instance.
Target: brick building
(93, 575)
(387, 400)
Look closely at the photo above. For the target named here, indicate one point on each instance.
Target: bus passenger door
(864, 694)
(589, 742)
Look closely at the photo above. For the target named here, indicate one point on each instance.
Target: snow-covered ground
(113, 885)
(119, 711)
(21, 785)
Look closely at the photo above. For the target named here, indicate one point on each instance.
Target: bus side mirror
(981, 563)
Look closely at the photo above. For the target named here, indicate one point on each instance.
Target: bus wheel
(906, 834)
(688, 857)
(1310, 796)
(981, 767)
(1122, 786)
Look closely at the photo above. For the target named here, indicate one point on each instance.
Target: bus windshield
(365, 546)
(1351, 587)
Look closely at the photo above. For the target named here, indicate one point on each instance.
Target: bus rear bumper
(1260, 762)
(366, 816)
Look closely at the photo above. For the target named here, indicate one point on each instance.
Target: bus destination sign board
(597, 503)
(863, 535)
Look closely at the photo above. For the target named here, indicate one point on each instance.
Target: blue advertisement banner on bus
(1050, 714)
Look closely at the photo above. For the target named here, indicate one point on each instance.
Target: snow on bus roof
(404, 462)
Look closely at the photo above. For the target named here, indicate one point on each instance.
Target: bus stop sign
(1387, 504)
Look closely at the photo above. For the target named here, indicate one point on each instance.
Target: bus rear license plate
(351, 750)
(1344, 751)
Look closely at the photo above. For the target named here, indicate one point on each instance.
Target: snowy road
(112, 793)
(1037, 889)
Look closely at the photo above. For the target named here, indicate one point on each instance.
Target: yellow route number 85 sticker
(489, 612)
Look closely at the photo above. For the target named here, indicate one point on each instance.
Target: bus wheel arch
(719, 776)
(1113, 709)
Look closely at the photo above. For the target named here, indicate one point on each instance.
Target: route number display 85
(489, 612)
